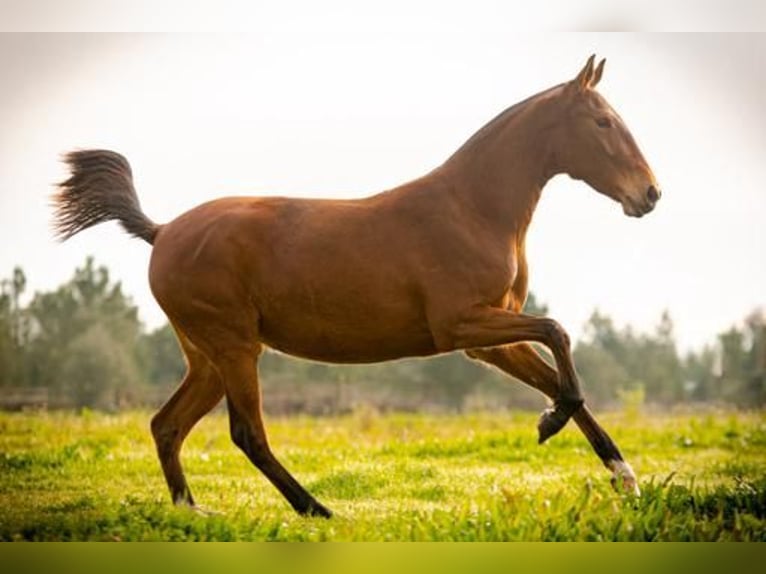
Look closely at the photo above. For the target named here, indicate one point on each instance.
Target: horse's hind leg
(219, 320)
(524, 363)
(199, 392)
(243, 396)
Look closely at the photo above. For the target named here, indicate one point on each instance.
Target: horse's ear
(598, 73)
(582, 81)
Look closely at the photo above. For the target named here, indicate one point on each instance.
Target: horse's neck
(501, 170)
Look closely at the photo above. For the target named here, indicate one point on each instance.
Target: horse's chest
(517, 285)
(500, 285)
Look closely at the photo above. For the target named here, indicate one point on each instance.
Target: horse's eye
(604, 122)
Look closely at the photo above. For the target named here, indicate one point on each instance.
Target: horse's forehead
(595, 101)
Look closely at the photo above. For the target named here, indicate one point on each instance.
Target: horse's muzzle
(653, 195)
(640, 207)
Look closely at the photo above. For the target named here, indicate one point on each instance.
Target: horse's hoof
(549, 424)
(623, 478)
(317, 509)
(203, 511)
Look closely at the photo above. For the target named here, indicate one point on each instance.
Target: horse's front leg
(492, 327)
(523, 362)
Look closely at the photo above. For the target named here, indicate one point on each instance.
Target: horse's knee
(556, 334)
(165, 435)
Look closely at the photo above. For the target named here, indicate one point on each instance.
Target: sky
(326, 106)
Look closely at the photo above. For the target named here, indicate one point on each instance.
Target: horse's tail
(99, 189)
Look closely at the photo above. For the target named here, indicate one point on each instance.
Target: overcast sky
(324, 107)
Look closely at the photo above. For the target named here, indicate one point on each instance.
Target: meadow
(398, 477)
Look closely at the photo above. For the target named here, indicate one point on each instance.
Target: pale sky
(323, 107)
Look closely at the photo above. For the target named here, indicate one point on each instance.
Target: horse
(435, 265)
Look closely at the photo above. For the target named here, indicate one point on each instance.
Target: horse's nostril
(653, 194)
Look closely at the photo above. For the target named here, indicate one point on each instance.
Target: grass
(478, 477)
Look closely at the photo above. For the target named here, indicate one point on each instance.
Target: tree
(614, 361)
(603, 376)
(659, 366)
(8, 353)
(450, 378)
(700, 375)
(14, 330)
(162, 362)
(599, 359)
(96, 370)
(743, 361)
(83, 338)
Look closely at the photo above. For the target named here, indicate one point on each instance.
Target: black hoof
(549, 424)
(554, 419)
(204, 511)
(316, 509)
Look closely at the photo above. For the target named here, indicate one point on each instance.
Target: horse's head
(598, 148)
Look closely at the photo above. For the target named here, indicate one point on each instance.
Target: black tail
(99, 189)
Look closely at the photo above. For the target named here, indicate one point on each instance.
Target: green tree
(83, 339)
(733, 364)
(14, 330)
(614, 361)
(700, 377)
(599, 359)
(8, 352)
(659, 367)
(603, 376)
(162, 362)
(449, 379)
(98, 371)
(743, 362)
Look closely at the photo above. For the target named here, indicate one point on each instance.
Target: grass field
(387, 477)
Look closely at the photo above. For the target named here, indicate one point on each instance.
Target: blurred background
(334, 100)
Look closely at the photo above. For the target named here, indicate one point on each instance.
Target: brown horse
(433, 266)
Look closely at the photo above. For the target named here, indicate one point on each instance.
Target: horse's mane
(501, 119)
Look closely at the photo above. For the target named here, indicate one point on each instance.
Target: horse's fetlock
(572, 404)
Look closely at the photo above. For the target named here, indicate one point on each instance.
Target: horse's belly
(347, 339)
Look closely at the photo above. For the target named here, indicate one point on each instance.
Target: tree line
(83, 345)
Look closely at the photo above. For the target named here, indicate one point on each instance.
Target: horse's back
(323, 279)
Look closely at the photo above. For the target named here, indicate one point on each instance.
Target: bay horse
(435, 265)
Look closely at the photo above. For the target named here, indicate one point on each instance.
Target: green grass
(387, 477)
